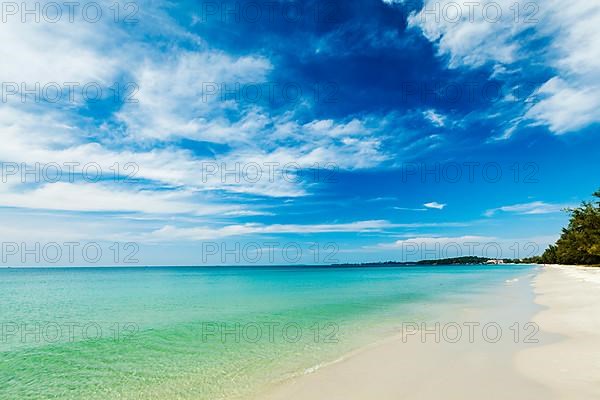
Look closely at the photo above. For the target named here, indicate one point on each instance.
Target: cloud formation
(435, 205)
(532, 208)
(562, 38)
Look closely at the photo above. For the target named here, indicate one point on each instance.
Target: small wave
(317, 367)
(312, 369)
(509, 281)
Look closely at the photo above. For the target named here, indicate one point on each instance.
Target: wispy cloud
(440, 241)
(409, 209)
(566, 102)
(116, 198)
(172, 232)
(535, 207)
(435, 118)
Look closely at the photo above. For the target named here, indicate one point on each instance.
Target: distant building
(494, 262)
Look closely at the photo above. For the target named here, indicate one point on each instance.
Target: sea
(211, 332)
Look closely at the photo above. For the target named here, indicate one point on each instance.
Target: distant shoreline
(466, 260)
(458, 261)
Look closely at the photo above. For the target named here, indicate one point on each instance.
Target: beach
(560, 361)
(570, 366)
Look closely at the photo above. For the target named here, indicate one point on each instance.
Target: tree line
(579, 242)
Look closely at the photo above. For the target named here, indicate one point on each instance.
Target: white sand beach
(571, 366)
(564, 364)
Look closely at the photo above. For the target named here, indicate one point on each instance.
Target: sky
(293, 132)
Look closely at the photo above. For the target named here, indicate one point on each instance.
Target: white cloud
(109, 198)
(440, 241)
(53, 137)
(435, 118)
(57, 52)
(409, 209)
(329, 127)
(170, 75)
(435, 205)
(464, 35)
(570, 100)
(202, 233)
(180, 96)
(174, 233)
(564, 108)
(171, 82)
(535, 207)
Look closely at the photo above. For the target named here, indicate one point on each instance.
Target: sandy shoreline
(564, 363)
(571, 366)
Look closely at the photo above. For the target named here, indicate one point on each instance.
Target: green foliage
(579, 242)
(465, 260)
(456, 260)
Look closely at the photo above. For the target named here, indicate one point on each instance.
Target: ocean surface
(209, 333)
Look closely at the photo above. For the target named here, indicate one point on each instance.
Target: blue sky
(296, 132)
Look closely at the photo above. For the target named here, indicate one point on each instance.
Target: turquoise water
(206, 333)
